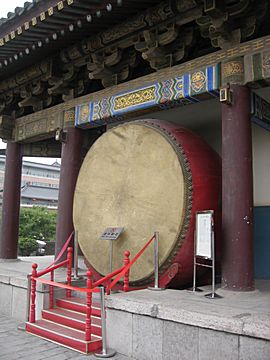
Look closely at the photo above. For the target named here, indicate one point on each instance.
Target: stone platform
(171, 324)
(177, 324)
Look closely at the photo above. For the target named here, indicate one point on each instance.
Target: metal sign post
(204, 246)
(156, 261)
(105, 352)
(76, 253)
(111, 234)
(194, 287)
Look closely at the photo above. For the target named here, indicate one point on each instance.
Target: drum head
(131, 177)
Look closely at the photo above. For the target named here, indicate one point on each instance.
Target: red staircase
(65, 325)
(75, 322)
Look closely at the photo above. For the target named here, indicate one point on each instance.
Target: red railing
(125, 271)
(36, 275)
(90, 287)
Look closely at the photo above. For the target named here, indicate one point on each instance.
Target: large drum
(145, 176)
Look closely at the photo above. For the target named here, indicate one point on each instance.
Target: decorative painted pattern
(189, 88)
(135, 98)
(233, 68)
(260, 111)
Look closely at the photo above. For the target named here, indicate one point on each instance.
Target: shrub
(27, 246)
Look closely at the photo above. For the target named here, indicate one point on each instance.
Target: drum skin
(192, 182)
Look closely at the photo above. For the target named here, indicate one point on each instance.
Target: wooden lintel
(38, 126)
(48, 148)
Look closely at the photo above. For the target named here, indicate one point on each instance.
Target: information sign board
(112, 233)
(204, 224)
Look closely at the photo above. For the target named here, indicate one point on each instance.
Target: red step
(78, 304)
(65, 325)
(72, 319)
(64, 335)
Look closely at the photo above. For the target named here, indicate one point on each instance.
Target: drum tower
(70, 69)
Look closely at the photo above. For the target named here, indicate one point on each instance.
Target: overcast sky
(5, 7)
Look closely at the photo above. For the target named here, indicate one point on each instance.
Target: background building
(40, 183)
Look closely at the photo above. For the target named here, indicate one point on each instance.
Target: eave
(51, 25)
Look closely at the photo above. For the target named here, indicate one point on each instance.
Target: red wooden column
(11, 202)
(237, 193)
(70, 166)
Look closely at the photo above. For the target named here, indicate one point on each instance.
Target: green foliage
(37, 223)
(27, 246)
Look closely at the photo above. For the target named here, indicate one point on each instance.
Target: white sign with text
(204, 221)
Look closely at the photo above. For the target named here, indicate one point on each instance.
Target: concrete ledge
(176, 324)
(245, 314)
(144, 337)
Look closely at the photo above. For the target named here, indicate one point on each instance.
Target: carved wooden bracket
(228, 23)
(165, 46)
(112, 67)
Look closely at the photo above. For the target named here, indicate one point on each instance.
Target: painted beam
(254, 53)
(189, 88)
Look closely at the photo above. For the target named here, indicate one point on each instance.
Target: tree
(37, 223)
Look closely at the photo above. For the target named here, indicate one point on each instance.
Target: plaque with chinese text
(204, 226)
(112, 233)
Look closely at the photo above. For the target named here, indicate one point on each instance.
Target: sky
(9, 6)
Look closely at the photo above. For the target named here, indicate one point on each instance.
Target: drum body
(146, 176)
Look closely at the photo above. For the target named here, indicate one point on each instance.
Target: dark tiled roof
(56, 166)
(39, 192)
(19, 11)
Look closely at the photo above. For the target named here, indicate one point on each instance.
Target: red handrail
(61, 253)
(121, 272)
(126, 276)
(69, 269)
(50, 269)
(46, 271)
(127, 267)
(64, 286)
(107, 277)
(36, 277)
(89, 285)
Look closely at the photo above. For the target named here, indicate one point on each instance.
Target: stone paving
(17, 344)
